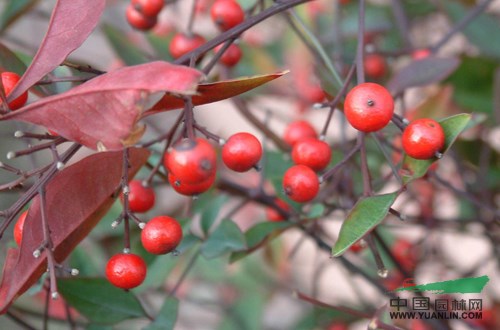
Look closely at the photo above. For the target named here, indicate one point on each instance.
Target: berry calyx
(191, 161)
(126, 270)
(241, 152)
(149, 8)
(313, 153)
(9, 81)
(231, 56)
(374, 66)
(19, 227)
(161, 235)
(274, 215)
(369, 107)
(138, 20)
(140, 198)
(226, 14)
(423, 138)
(300, 183)
(297, 131)
(182, 44)
(190, 189)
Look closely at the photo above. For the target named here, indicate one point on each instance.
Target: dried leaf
(77, 198)
(213, 92)
(70, 25)
(102, 113)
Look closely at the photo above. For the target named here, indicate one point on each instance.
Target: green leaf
(316, 211)
(210, 212)
(452, 126)
(422, 72)
(227, 237)
(165, 320)
(10, 62)
(13, 10)
(476, 31)
(260, 231)
(99, 301)
(160, 45)
(125, 49)
(364, 216)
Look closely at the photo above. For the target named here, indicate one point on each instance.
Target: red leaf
(70, 25)
(213, 92)
(77, 198)
(103, 112)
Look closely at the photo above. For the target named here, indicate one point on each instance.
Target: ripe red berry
(298, 131)
(19, 227)
(231, 56)
(369, 107)
(191, 161)
(126, 270)
(190, 189)
(9, 81)
(423, 138)
(140, 199)
(149, 8)
(227, 14)
(241, 152)
(313, 153)
(273, 215)
(374, 65)
(161, 235)
(358, 246)
(138, 20)
(182, 44)
(300, 183)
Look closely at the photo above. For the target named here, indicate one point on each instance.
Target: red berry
(241, 152)
(138, 20)
(423, 138)
(300, 183)
(313, 153)
(161, 235)
(126, 270)
(312, 93)
(191, 161)
(227, 14)
(190, 189)
(298, 131)
(374, 65)
(9, 81)
(420, 54)
(149, 8)
(273, 215)
(231, 56)
(358, 246)
(140, 199)
(404, 253)
(182, 44)
(368, 107)
(19, 227)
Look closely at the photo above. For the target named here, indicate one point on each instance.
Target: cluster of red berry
(9, 81)
(143, 14)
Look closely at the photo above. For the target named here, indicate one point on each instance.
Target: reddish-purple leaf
(422, 72)
(213, 92)
(70, 25)
(77, 198)
(102, 113)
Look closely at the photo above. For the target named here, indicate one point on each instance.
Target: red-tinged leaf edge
(422, 72)
(77, 198)
(70, 25)
(213, 92)
(102, 114)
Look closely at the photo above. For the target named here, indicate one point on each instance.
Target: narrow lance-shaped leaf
(70, 25)
(10, 62)
(14, 10)
(165, 320)
(226, 238)
(364, 216)
(452, 126)
(102, 113)
(99, 301)
(123, 47)
(77, 198)
(213, 92)
(422, 72)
